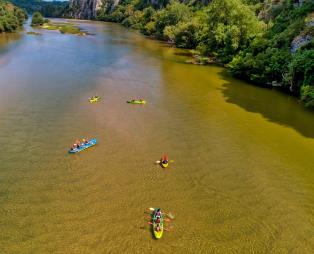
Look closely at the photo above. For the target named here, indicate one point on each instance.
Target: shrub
(37, 19)
(307, 95)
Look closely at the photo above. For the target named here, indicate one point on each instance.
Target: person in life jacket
(164, 159)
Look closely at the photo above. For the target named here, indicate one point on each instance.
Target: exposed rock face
(300, 41)
(305, 37)
(87, 9)
(84, 9)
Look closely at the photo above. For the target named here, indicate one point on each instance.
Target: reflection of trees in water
(7, 41)
(275, 106)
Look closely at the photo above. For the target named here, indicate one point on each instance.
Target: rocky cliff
(87, 9)
(306, 36)
(84, 9)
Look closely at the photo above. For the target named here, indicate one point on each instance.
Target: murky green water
(243, 176)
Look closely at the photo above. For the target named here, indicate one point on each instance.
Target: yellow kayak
(158, 234)
(158, 228)
(164, 162)
(164, 165)
(136, 102)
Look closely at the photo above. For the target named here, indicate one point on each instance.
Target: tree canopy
(11, 17)
(37, 19)
(253, 38)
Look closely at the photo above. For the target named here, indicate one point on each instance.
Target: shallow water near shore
(242, 180)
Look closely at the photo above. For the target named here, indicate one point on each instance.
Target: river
(242, 180)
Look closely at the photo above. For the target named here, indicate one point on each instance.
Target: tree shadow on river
(272, 104)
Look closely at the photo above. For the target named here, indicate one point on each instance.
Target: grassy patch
(69, 29)
(63, 27)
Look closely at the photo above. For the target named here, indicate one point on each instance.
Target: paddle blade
(157, 162)
(151, 209)
(150, 223)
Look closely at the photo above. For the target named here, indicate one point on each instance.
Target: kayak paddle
(157, 162)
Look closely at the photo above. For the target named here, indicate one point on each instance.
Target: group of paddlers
(79, 143)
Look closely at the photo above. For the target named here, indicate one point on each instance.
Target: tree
(11, 17)
(170, 16)
(301, 69)
(307, 95)
(37, 19)
(231, 26)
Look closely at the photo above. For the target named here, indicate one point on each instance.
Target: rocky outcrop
(300, 41)
(84, 9)
(87, 9)
(306, 35)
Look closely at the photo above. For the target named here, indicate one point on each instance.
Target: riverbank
(257, 42)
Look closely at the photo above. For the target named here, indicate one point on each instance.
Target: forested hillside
(47, 9)
(11, 17)
(267, 42)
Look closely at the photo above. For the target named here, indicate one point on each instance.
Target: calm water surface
(243, 176)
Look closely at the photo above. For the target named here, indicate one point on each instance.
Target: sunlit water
(243, 176)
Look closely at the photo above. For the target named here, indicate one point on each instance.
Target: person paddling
(158, 212)
(158, 228)
(164, 159)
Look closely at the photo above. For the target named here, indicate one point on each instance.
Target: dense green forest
(267, 42)
(11, 17)
(47, 9)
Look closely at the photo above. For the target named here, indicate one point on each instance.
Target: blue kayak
(90, 143)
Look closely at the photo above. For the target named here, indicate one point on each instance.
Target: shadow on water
(274, 105)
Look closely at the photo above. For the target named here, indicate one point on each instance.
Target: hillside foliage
(253, 38)
(47, 9)
(11, 17)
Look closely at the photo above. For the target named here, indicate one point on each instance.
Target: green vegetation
(11, 17)
(70, 29)
(64, 27)
(47, 9)
(37, 19)
(265, 42)
(270, 58)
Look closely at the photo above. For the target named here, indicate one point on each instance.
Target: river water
(242, 180)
